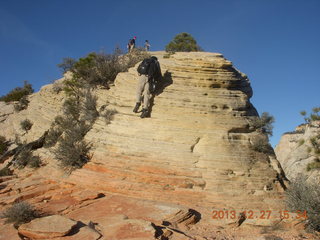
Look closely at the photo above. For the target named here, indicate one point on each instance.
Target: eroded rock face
(196, 147)
(145, 174)
(294, 151)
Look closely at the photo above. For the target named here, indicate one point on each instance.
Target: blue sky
(275, 42)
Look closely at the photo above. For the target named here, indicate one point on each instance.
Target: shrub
(20, 213)
(313, 165)
(261, 144)
(183, 42)
(72, 150)
(26, 158)
(89, 107)
(26, 125)
(305, 196)
(301, 142)
(5, 172)
(313, 116)
(264, 123)
(108, 115)
(3, 145)
(17, 93)
(22, 104)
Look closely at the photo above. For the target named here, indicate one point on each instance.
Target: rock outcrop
(157, 176)
(295, 151)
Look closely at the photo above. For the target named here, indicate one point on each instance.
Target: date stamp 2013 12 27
(259, 214)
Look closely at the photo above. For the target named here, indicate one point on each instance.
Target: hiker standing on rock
(147, 45)
(150, 75)
(132, 44)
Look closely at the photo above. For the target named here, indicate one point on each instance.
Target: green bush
(313, 116)
(3, 145)
(26, 125)
(99, 68)
(26, 158)
(72, 151)
(183, 42)
(17, 93)
(264, 123)
(303, 195)
(20, 213)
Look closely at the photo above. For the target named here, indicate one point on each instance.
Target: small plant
(313, 165)
(18, 93)
(22, 104)
(301, 142)
(261, 144)
(20, 213)
(3, 145)
(313, 116)
(5, 172)
(303, 196)
(108, 115)
(264, 123)
(26, 125)
(72, 150)
(26, 158)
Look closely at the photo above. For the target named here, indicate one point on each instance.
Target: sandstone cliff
(195, 152)
(295, 153)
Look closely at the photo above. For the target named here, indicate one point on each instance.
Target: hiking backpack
(143, 67)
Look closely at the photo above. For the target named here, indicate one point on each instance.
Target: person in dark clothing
(147, 86)
(132, 43)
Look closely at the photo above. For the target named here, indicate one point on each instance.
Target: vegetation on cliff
(80, 107)
(20, 213)
(183, 42)
(303, 198)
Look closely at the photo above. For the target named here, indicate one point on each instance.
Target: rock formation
(161, 176)
(294, 151)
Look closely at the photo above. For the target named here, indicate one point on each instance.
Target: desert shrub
(26, 125)
(108, 115)
(313, 116)
(22, 104)
(67, 64)
(3, 145)
(303, 195)
(5, 172)
(315, 143)
(26, 158)
(183, 42)
(89, 107)
(20, 213)
(72, 151)
(100, 68)
(17, 93)
(263, 123)
(301, 142)
(261, 144)
(313, 165)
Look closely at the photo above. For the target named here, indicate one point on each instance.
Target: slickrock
(196, 147)
(47, 227)
(159, 176)
(294, 151)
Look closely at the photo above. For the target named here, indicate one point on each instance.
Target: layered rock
(196, 147)
(195, 152)
(294, 151)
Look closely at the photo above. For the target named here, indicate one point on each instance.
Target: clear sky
(275, 42)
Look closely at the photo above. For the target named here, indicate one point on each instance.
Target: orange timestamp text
(261, 214)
